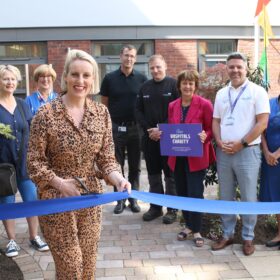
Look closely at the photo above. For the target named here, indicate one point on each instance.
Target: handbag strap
(24, 131)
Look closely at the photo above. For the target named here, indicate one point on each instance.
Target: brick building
(187, 34)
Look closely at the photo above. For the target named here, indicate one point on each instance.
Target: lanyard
(232, 105)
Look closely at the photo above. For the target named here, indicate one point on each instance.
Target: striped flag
(263, 21)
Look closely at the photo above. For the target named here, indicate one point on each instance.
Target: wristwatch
(244, 143)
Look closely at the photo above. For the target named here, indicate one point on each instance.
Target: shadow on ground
(9, 269)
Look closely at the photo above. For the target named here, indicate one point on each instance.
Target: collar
(60, 107)
(121, 72)
(240, 87)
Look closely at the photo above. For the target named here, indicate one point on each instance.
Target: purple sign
(181, 140)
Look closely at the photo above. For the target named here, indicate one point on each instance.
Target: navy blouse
(9, 147)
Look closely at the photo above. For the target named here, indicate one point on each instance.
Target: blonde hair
(11, 68)
(44, 69)
(80, 55)
(157, 56)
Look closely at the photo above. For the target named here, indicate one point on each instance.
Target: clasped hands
(230, 147)
(155, 133)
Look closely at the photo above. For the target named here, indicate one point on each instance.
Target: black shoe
(170, 217)
(119, 207)
(152, 214)
(135, 208)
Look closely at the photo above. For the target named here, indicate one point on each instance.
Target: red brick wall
(57, 51)
(179, 54)
(247, 47)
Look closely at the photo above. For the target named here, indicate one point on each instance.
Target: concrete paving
(131, 249)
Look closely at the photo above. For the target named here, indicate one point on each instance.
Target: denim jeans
(27, 189)
(128, 141)
(240, 169)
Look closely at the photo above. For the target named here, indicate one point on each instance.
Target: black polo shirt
(122, 92)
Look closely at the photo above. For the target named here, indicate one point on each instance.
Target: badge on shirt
(229, 121)
(121, 128)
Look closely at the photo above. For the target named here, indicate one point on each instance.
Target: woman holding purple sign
(190, 171)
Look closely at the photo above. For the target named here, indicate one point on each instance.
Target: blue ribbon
(51, 206)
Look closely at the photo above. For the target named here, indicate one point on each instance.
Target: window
(212, 52)
(27, 50)
(107, 55)
(25, 56)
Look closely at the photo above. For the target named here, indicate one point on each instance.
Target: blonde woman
(44, 77)
(72, 137)
(14, 151)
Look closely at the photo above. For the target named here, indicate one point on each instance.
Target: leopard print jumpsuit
(58, 147)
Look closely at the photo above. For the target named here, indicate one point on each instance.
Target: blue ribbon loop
(51, 206)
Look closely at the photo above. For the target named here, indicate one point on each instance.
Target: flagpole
(256, 42)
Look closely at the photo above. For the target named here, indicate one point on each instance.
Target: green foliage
(6, 131)
(215, 231)
(255, 75)
(271, 222)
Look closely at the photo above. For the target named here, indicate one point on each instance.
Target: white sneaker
(39, 244)
(12, 249)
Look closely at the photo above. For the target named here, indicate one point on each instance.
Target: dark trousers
(189, 184)
(155, 164)
(128, 141)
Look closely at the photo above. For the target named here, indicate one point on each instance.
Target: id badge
(122, 128)
(230, 121)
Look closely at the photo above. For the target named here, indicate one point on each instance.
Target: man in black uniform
(119, 91)
(152, 109)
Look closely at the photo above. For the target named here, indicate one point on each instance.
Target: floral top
(58, 147)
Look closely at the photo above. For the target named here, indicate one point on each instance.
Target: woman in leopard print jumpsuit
(72, 137)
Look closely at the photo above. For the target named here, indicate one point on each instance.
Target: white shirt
(235, 125)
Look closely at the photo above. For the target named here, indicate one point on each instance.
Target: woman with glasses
(44, 77)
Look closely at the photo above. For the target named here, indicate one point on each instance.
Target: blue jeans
(240, 169)
(27, 189)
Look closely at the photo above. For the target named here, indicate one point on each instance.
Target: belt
(129, 123)
(249, 146)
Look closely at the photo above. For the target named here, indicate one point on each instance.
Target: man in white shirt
(241, 113)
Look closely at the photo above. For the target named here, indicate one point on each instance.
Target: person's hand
(271, 158)
(123, 185)
(154, 133)
(202, 135)
(68, 187)
(231, 147)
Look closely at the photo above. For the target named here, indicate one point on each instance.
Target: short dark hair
(129, 47)
(237, 55)
(187, 75)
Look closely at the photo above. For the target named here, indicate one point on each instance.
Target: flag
(260, 5)
(263, 21)
(263, 66)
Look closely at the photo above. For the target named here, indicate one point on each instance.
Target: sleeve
(139, 111)
(37, 161)
(175, 92)
(170, 112)
(104, 87)
(262, 102)
(207, 120)
(216, 112)
(105, 160)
